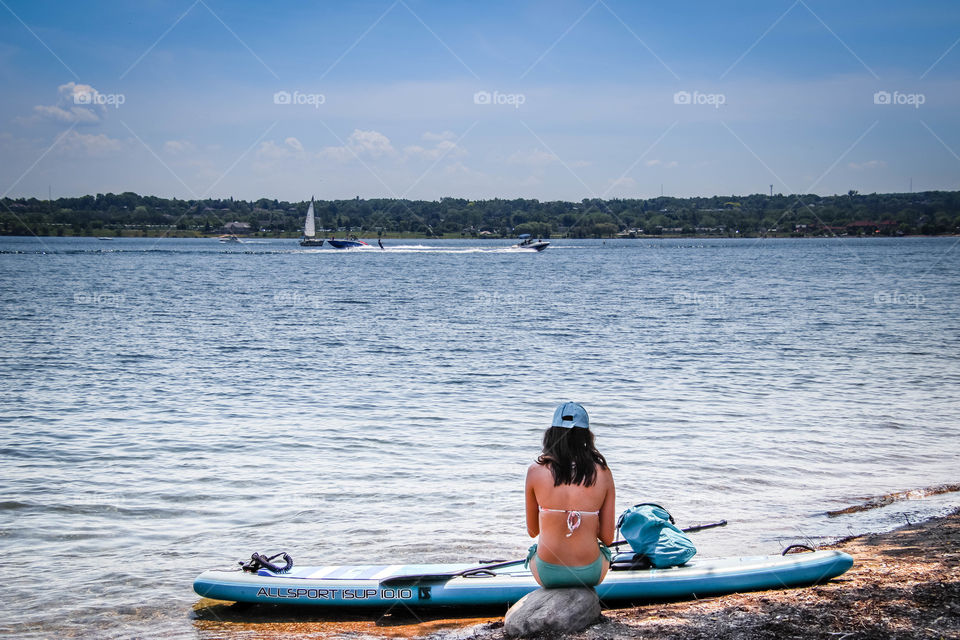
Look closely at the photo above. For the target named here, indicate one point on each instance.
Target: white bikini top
(573, 517)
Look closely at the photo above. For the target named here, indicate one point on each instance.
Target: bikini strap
(574, 518)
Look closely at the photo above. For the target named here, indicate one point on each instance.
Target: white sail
(309, 230)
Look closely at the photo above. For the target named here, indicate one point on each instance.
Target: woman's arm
(608, 525)
(533, 509)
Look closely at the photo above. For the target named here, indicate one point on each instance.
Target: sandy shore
(904, 584)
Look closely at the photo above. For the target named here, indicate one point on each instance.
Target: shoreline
(367, 238)
(904, 583)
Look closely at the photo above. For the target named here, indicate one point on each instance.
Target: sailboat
(309, 238)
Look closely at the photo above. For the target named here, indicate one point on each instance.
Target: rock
(553, 611)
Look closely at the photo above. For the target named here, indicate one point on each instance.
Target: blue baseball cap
(569, 415)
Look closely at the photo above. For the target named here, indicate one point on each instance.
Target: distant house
(236, 227)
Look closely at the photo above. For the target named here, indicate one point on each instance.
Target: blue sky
(425, 99)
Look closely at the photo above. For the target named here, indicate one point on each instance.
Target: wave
(877, 502)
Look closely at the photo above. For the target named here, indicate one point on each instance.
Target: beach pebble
(553, 611)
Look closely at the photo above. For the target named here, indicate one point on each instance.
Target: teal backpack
(653, 536)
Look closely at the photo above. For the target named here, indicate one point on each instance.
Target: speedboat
(527, 242)
(347, 243)
(309, 238)
(231, 238)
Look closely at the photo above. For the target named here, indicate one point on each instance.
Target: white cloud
(175, 147)
(270, 150)
(672, 164)
(458, 168)
(442, 148)
(437, 137)
(290, 148)
(76, 104)
(621, 182)
(90, 145)
(361, 143)
(535, 157)
(869, 164)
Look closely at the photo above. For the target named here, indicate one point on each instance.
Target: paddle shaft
(414, 579)
(693, 529)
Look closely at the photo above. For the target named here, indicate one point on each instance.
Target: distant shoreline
(180, 235)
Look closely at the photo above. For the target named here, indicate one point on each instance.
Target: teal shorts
(553, 576)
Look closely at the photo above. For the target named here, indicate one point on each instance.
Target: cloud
(437, 137)
(270, 150)
(534, 158)
(869, 164)
(371, 143)
(76, 104)
(442, 148)
(90, 145)
(176, 147)
(672, 164)
(290, 148)
(621, 182)
(361, 143)
(459, 169)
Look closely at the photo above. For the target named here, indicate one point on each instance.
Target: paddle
(693, 529)
(487, 568)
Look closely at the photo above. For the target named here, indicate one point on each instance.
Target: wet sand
(904, 584)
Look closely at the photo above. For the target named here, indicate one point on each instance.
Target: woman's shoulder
(539, 472)
(604, 474)
(539, 467)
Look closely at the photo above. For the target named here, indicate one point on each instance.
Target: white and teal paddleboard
(427, 586)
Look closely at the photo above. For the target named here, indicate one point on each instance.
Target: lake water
(173, 405)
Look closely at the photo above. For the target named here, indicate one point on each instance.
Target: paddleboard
(363, 585)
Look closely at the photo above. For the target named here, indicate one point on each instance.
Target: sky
(554, 100)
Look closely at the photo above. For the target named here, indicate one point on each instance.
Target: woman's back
(570, 501)
(587, 510)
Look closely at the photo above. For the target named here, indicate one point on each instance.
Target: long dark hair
(571, 455)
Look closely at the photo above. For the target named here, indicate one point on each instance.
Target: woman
(570, 504)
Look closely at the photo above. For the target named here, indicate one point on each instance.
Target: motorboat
(527, 242)
(310, 238)
(347, 243)
(231, 238)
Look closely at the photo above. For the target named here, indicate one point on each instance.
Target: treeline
(931, 212)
